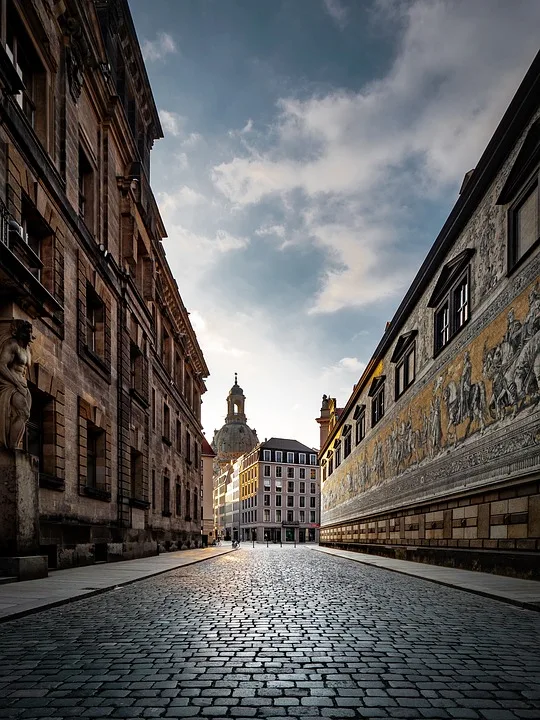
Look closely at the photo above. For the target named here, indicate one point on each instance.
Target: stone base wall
(497, 530)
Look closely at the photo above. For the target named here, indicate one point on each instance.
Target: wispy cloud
(159, 48)
(337, 11)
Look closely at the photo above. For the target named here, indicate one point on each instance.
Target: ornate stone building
(436, 455)
(109, 465)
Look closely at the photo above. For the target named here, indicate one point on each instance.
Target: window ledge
(138, 503)
(51, 482)
(97, 363)
(136, 395)
(97, 493)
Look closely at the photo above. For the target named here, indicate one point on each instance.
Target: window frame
(402, 364)
(377, 405)
(513, 260)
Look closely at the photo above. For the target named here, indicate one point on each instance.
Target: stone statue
(15, 399)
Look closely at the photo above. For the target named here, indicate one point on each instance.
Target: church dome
(235, 437)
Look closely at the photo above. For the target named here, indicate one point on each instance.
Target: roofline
(513, 122)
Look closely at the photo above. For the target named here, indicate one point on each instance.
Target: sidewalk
(523, 593)
(63, 586)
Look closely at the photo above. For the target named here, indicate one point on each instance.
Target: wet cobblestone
(274, 633)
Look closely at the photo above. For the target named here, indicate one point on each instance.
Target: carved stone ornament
(74, 72)
(15, 398)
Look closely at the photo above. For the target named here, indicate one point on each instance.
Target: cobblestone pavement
(273, 633)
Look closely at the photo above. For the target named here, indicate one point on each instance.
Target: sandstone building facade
(436, 455)
(114, 434)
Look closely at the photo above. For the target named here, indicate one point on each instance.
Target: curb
(522, 604)
(100, 591)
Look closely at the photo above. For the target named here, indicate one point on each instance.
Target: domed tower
(235, 437)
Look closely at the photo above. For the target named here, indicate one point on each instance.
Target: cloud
(172, 122)
(159, 48)
(349, 168)
(337, 11)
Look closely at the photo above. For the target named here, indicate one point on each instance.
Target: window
(376, 393)
(266, 471)
(302, 487)
(313, 474)
(290, 486)
(290, 516)
(187, 509)
(136, 475)
(451, 299)
(195, 506)
(279, 471)
(302, 501)
(267, 455)
(278, 500)
(290, 500)
(312, 516)
(312, 502)
(95, 456)
(196, 451)
(166, 437)
(290, 472)
(267, 500)
(138, 374)
(302, 458)
(524, 228)
(360, 417)
(188, 447)
(32, 242)
(313, 488)
(267, 485)
(312, 459)
(290, 457)
(267, 516)
(279, 456)
(337, 455)
(302, 516)
(178, 497)
(405, 360)
(95, 322)
(302, 473)
(347, 445)
(86, 190)
(166, 511)
(153, 489)
(178, 436)
(330, 465)
(278, 516)
(41, 431)
(278, 486)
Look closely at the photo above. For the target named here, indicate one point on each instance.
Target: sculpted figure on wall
(15, 399)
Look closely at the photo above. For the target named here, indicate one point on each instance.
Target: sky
(313, 150)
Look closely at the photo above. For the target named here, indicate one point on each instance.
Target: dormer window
(405, 359)
(376, 393)
(451, 299)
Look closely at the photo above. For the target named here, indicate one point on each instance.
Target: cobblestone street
(272, 633)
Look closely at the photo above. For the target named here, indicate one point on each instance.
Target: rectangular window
(178, 436)
(290, 500)
(95, 322)
(347, 446)
(278, 516)
(453, 312)
(278, 500)
(361, 428)
(302, 487)
(290, 472)
(312, 502)
(278, 486)
(86, 190)
(279, 456)
(302, 501)
(302, 516)
(312, 459)
(524, 226)
(302, 458)
(377, 406)
(267, 516)
(95, 456)
(290, 486)
(279, 471)
(267, 500)
(166, 424)
(313, 474)
(312, 516)
(302, 473)
(153, 489)
(178, 497)
(266, 471)
(337, 456)
(166, 496)
(188, 447)
(405, 370)
(290, 457)
(313, 488)
(136, 475)
(267, 456)
(330, 465)
(290, 516)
